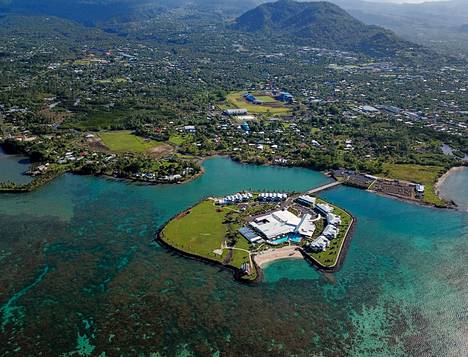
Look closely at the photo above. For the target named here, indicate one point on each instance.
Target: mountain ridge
(321, 24)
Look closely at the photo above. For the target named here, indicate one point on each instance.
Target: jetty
(324, 187)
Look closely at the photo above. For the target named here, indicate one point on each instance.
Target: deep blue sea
(80, 275)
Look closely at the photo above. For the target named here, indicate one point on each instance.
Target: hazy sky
(405, 1)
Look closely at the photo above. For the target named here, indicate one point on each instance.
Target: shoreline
(440, 182)
(265, 258)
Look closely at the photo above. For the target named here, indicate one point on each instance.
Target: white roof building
(307, 200)
(320, 244)
(324, 208)
(306, 227)
(276, 224)
(333, 219)
(236, 111)
(330, 232)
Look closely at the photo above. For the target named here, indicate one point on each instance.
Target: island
(248, 230)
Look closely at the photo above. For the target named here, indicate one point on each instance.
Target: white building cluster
(233, 199)
(281, 224)
(272, 196)
(331, 230)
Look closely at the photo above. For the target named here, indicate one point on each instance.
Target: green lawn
(235, 99)
(239, 257)
(199, 232)
(266, 99)
(176, 140)
(125, 141)
(425, 175)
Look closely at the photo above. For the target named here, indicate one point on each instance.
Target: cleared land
(271, 105)
(426, 175)
(201, 231)
(125, 141)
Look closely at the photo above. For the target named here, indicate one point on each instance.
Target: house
(190, 129)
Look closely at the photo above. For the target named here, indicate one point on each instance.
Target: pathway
(324, 187)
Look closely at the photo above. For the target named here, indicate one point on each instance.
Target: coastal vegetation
(425, 175)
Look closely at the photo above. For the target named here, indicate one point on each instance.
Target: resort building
(282, 226)
(272, 196)
(320, 244)
(330, 232)
(233, 199)
(307, 201)
(275, 224)
(333, 219)
(324, 208)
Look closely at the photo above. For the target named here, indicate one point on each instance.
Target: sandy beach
(268, 256)
(442, 178)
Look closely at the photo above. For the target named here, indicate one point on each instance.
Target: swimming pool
(293, 237)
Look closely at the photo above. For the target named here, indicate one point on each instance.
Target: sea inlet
(81, 275)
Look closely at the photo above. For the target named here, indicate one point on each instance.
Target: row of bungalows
(237, 198)
(272, 196)
(331, 229)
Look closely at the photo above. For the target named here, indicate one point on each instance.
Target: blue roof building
(245, 126)
(285, 97)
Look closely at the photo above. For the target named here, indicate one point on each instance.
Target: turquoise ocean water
(81, 275)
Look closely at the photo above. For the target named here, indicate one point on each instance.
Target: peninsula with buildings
(248, 230)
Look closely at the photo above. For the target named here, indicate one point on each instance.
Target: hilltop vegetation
(320, 24)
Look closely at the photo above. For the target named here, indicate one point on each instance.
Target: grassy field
(100, 120)
(176, 140)
(426, 175)
(125, 141)
(201, 231)
(235, 99)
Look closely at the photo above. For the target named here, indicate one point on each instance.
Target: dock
(324, 187)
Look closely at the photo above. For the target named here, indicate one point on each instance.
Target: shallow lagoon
(13, 167)
(77, 260)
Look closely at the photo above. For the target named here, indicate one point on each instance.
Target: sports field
(125, 141)
(271, 106)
